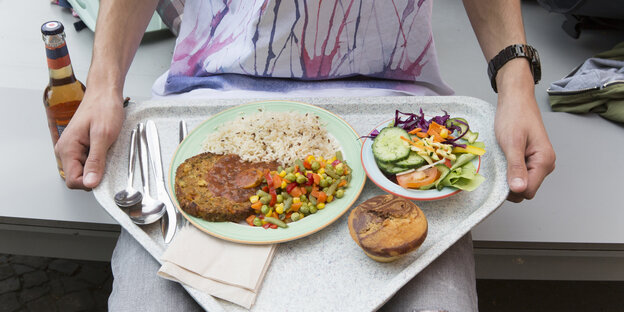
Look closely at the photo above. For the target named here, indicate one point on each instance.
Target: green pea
(290, 169)
(302, 179)
(264, 209)
(304, 209)
(313, 209)
(303, 198)
(257, 221)
(324, 175)
(280, 198)
(290, 177)
(316, 165)
(308, 188)
(329, 181)
(339, 171)
(325, 189)
(324, 183)
(339, 193)
(265, 199)
(295, 216)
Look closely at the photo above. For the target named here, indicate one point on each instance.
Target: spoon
(129, 196)
(151, 209)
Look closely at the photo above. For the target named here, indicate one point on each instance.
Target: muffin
(387, 227)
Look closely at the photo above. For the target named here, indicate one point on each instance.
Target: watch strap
(511, 52)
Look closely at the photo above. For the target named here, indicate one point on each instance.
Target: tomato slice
(417, 178)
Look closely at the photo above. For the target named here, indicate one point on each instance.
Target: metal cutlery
(129, 196)
(170, 224)
(151, 209)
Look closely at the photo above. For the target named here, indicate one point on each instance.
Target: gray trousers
(446, 284)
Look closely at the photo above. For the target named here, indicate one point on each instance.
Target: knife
(169, 220)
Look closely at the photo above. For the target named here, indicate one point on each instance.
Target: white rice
(273, 136)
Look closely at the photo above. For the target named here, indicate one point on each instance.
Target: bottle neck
(59, 64)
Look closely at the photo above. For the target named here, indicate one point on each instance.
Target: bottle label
(60, 129)
(58, 57)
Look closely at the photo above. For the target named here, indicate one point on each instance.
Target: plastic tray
(325, 268)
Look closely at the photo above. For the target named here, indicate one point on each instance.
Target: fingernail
(516, 183)
(89, 178)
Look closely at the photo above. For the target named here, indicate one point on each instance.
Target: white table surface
(576, 204)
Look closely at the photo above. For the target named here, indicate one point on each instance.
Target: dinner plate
(243, 233)
(381, 180)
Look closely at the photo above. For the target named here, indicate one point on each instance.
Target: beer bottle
(64, 92)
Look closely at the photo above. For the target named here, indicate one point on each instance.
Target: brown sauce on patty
(235, 179)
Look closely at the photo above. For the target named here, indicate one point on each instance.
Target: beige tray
(318, 272)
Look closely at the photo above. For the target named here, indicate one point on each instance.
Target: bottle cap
(52, 28)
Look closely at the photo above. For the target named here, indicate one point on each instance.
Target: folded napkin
(227, 270)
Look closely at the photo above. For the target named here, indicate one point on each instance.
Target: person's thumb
(517, 176)
(96, 161)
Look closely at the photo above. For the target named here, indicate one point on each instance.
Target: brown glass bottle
(64, 92)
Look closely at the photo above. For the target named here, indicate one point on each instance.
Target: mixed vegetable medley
(428, 153)
(292, 193)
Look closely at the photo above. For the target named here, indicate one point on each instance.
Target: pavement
(48, 284)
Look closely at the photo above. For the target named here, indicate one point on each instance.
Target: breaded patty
(217, 187)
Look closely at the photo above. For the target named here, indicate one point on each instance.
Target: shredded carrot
(421, 134)
(415, 130)
(408, 140)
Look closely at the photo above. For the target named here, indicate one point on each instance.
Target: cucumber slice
(388, 146)
(471, 137)
(390, 168)
(412, 161)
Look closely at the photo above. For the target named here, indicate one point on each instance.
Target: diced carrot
(317, 178)
(296, 206)
(342, 183)
(303, 190)
(288, 215)
(307, 165)
(415, 130)
(277, 181)
(296, 192)
(257, 205)
(321, 198)
(250, 220)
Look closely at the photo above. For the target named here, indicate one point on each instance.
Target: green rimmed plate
(241, 233)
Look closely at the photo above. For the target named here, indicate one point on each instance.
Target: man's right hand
(92, 130)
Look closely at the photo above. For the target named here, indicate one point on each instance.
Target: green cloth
(605, 99)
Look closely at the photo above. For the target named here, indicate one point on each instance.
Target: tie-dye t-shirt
(281, 46)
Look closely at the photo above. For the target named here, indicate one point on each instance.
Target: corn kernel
(283, 184)
(330, 198)
(331, 160)
(320, 159)
(279, 208)
(320, 205)
(321, 171)
(282, 174)
(254, 199)
(297, 174)
(310, 158)
(264, 222)
(296, 200)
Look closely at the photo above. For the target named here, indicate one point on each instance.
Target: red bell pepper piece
(266, 226)
(310, 179)
(447, 162)
(335, 162)
(265, 188)
(268, 178)
(273, 226)
(291, 186)
(273, 196)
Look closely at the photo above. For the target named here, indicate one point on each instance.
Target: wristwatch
(511, 52)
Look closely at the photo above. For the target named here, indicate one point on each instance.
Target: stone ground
(48, 284)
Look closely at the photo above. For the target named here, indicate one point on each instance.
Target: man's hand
(521, 134)
(83, 146)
